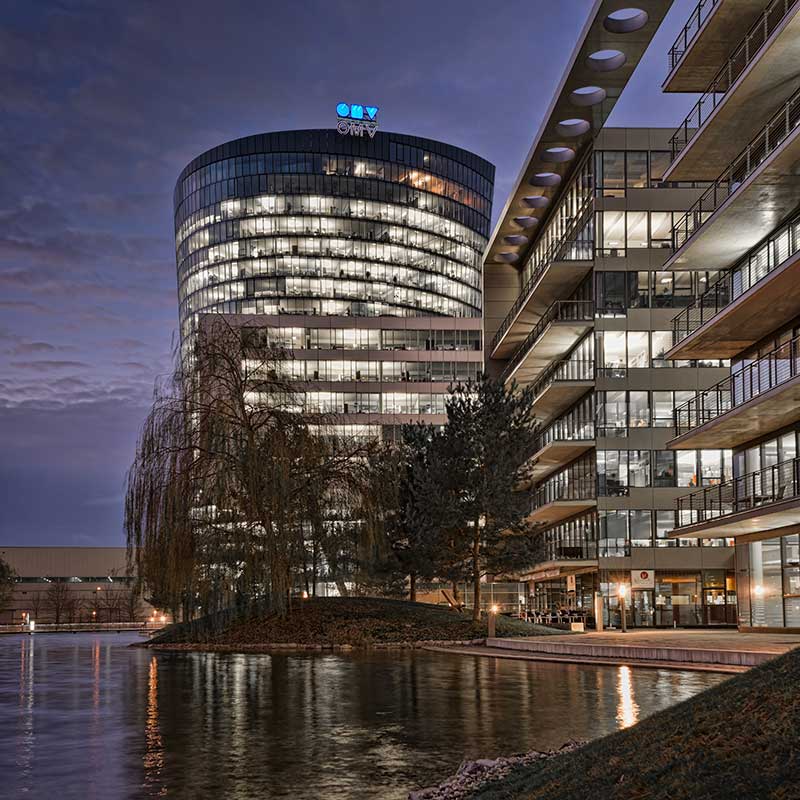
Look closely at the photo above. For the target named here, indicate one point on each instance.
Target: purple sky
(102, 105)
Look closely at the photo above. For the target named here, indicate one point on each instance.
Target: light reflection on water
(84, 716)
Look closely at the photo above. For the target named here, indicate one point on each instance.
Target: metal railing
(560, 311)
(768, 139)
(751, 269)
(567, 248)
(574, 487)
(690, 30)
(766, 486)
(565, 370)
(737, 62)
(777, 367)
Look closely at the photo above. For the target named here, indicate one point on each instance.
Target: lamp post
(622, 592)
(492, 621)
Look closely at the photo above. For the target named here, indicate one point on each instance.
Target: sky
(103, 102)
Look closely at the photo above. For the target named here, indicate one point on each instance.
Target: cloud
(48, 365)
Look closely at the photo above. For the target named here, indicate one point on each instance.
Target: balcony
(705, 42)
(556, 453)
(762, 397)
(561, 385)
(759, 73)
(745, 304)
(756, 502)
(757, 191)
(564, 265)
(558, 329)
(556, 500)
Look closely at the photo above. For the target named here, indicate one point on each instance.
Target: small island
(339, 623)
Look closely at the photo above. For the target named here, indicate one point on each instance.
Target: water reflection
(627, 709)
(95, 718)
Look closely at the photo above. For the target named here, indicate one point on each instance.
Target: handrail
(766, 486)
(575, 487)
(780, 365)
(750, 270)
(689, 31)
(559, 311)
(564, 370)
(730, 71)
(766, 141)
(555, 252)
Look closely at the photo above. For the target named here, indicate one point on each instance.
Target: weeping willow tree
(230, 475)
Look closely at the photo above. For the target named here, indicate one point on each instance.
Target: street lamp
(622, 592)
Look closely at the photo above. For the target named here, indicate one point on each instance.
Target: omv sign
(356, 119)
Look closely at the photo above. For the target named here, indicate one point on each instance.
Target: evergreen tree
(489, 437)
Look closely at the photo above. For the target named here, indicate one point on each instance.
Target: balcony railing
(754, 490)
(553, 490)
(737, 62)
(763, 259)
(776, 368)
(560, 311)
(785, 120)
(566, 370)
(690, 30)
(567, 248)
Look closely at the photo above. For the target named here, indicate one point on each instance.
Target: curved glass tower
(315, 223)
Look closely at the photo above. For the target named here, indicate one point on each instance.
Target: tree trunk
(476, 576)
(455, 593)
(412, 594)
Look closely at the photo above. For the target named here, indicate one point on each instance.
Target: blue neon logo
(356, 111)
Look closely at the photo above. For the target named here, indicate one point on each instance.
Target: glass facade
(311, 222)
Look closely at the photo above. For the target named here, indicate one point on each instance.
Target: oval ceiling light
(606, 60)
(572, 127)
(545, 179)
(506, 258)
(515, 239)
(626, 20)
(587, 96)
(536, 201)
(558, 155)
(526, 222)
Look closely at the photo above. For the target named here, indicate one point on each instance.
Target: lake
(86, 716)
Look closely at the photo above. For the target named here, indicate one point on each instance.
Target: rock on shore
(472, 774)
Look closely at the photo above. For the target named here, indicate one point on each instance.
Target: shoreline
(288, 647)
(473, 775)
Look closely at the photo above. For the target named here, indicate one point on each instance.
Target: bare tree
(94, 607)
(8, 578)
(57, 599)
(131, 605)
(230, 472)
(36, 603)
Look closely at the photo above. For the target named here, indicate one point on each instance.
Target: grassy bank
(356, 621)
(740, 740)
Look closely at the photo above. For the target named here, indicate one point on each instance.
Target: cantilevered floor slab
(558, 396)
(727, 23)
(759, 205)
(557, 282)
(557, 454)
(769, 80)
(755, 314)
(554, 342)
(550, 513)
(775, 516)
(766, 413)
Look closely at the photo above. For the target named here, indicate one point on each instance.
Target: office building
(743, 138)
(579, 303)
(360, 254)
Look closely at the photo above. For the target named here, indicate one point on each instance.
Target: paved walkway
(716, 650)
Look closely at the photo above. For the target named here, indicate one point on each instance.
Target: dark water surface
(85, 716)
